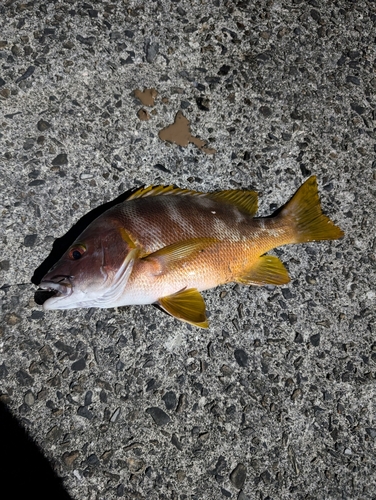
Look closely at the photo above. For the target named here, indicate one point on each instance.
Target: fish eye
(76, 252)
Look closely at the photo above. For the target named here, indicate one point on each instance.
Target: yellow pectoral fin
(186, 305)
(268, 270)
(173, 254)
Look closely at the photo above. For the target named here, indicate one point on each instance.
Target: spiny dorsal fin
(267, 270)
(246, 201)
(186, 305)
(162, 191)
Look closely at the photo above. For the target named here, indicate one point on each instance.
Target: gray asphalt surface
(277, 398)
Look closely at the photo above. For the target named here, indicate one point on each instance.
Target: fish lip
(61, 285)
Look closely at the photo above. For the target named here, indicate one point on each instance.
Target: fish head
(94, 271)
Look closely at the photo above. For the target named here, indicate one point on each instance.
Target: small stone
(30, 239)
(170, 400)
(106, 456)
(23, 378)
(70, 457)
(266, 477)
(202, 103)
(29, 398)
(79, 365)
(220, 466)
(88, 398)
(353, 79)
(286, 292)
(4, 265)
(129, 33)
(241, 357)
(86, 175)
(83, 411)
(61, 159)
(296, 394)
(158, 415)
(43, 125)
(180, 475)
(175, 441)
(46, 353)
(2, 82)
(30, 70)
(143, 115)
(315, 340)
(224, 70)
(226, 370)
(3, 371)
(5, 93)
(151, 49)
(265, 111)
(54, 434)
(13, 319)
(92, 460)
(371, 432)
(358, 109)
(225, 493)
(298, 338)
(185, 104)
(134, 465)
(89, 40)
(243, 496)
(238, 476)
(115, 416)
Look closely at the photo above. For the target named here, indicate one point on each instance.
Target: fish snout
(61, 285)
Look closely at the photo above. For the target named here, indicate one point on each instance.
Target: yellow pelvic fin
(305, 215)
(186, 305)
(245, 201)
(173, 254)
(267, 270)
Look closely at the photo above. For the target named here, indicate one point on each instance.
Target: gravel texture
(276, 400)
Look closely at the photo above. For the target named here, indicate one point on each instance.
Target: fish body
(164, 245)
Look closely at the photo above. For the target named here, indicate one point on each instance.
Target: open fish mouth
(60, 286)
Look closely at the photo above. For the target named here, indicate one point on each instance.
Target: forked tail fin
(305, 215)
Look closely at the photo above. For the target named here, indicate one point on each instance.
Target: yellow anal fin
(303, 211)
(186, 305)
(245, 201)
(177, 252)
(268, 270)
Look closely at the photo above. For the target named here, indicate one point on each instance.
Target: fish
(164, 245)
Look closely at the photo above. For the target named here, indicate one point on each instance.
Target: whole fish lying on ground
(164, 244)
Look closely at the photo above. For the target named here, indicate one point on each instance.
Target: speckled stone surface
(277, 398)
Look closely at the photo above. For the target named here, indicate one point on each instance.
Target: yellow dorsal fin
(246, 201)
(267, 270)
(175, 253)
(162, 191)
(186, 305)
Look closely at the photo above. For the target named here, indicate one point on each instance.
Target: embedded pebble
(170, 400)
(238, 476)
(241, 357)
(158, 415)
